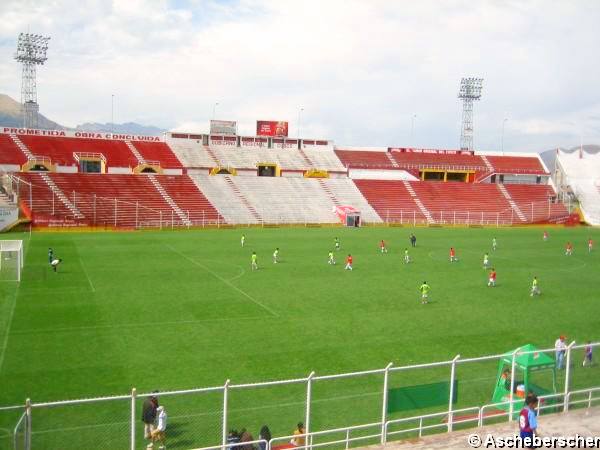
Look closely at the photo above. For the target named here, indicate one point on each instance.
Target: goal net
(11, 260)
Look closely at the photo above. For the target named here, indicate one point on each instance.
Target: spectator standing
(149, 415)
(587, 355)
(561, 349)
(158, 435)
(528, 419)
(299, 439)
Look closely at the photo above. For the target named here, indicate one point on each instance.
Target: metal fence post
(137, 207)
(133, 395)
(307, 415)
(224, 430)
(28, 424)
(115, 212)
(53, 210)
(94, 209)
(512, 385)
(384, 403)
(452, 374)
(567, 377)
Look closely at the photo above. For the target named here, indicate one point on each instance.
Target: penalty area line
(224, 280)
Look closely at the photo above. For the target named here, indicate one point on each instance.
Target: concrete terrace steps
(512, 203)
(330, 194)
(243, 198)
(61, 196)
(418, 202)
(392, 160)
(22, 146)
(135, 152)
(182, 216)
(212, 155)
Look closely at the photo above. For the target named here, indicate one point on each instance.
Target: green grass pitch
(177, 310)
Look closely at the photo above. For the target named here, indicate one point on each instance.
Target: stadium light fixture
(469, 91)
(31, 52)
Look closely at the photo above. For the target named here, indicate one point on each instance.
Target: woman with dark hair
(265, 434)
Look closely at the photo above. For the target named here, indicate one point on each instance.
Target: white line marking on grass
(132, 325)
(227, 282)
(11, 314)
(8, 325)
(86, 275)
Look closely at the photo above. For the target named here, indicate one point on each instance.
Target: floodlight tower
(470, 90)
(31, 51)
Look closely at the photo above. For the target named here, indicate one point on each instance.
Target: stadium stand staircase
(212, 155)
(182, 216)
(61, 196)
(511, 202)
(22, 146)
(328, 192)
(418, 202)
(243, 198)
(392, 160)
(305, 158)
(135, 152)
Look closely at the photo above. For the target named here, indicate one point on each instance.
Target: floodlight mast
(31, 51)
(470, 91)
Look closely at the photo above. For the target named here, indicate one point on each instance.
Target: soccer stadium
(252, 284)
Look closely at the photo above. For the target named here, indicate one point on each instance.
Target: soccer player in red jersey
(453, 255)
(590, 245)
(545, 236)
(348, 263)
(569, 249)
(382, 246)
(492, 278)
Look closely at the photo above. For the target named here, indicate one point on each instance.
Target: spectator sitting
(233, 438)
(265, 435)
(245, 436)
(299, 440)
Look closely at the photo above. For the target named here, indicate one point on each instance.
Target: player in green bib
(424, 292)
(254, 261)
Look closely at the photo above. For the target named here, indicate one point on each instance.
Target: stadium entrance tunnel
(41, 164)
(148, 168)
(223, 171)
(268, 170)
(465, 176)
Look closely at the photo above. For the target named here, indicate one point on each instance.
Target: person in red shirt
(590, 245)
(453, 255)
(492, 278)
(382, 246)
(348, 263)
(569, 249)
(545, 236)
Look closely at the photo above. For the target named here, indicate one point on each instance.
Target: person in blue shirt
(528, 418)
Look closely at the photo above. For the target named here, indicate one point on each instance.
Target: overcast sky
(360, 69)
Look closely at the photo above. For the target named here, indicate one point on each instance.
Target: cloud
(359, 69)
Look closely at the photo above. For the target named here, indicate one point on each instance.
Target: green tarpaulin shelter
(529, 362)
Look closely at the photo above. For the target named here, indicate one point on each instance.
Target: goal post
(11, 260)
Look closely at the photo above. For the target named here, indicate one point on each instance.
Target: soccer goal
(11, 260)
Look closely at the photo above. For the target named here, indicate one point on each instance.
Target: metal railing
(40, 414)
